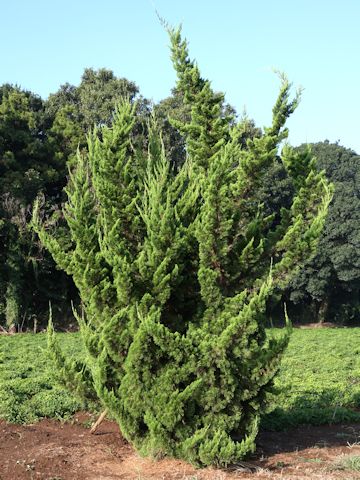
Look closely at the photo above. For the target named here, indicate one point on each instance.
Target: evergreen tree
(174, 268)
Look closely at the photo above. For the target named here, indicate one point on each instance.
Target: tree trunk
(323, 310)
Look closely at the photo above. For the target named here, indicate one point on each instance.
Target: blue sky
(237, 45)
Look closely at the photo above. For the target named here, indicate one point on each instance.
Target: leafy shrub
(174, 271)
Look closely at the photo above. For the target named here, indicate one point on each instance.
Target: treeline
(38, 143)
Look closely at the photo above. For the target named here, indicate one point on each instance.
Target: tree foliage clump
(175, 266)
(328, 286)
(28, 166)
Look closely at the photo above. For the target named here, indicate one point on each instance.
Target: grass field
(27, 388)
(319, 380)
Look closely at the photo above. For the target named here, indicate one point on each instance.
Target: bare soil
(51, 450)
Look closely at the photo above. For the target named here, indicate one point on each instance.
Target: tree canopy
(328, 287)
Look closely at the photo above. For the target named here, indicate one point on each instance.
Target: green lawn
(319, 380)
(27, 390)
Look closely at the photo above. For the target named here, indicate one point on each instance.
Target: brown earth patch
(50, 450)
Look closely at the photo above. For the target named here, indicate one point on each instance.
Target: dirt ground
(50, 450)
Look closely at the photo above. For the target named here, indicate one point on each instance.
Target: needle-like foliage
(174, 269)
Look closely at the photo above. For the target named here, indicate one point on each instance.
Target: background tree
(75, 110)
(27, 166)
(327, 288)
(38, 141)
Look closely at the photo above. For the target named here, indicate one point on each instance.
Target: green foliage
(93, 101)
(73, 111)
(330, 281)
(37, 139)
(28, 166)
(174, 272)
